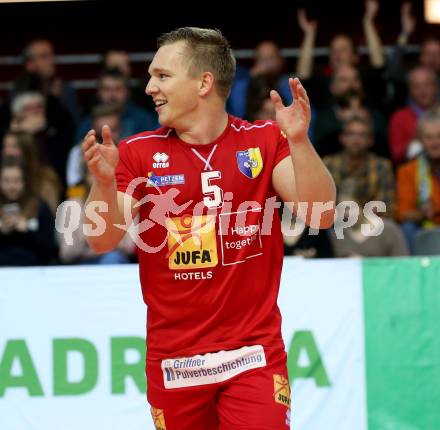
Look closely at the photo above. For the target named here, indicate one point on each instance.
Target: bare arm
(408, 24)
(375, 48)
(101, 161)
(304, 66)
(303, 177)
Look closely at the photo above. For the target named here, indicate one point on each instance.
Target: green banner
(402, 337)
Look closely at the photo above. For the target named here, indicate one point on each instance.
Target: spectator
(302, 241)
(39, 58)
(101, 115)
(119, 59)
(266, 74)
(113, 88)
(265, 111)
(347, 101)
(418, 181)
(423, 92)
(45, 181)
(79, 252)
(386, 241)
(33, 113)
(371, 175)
(429, 55)
(26, 223)
(343, 53)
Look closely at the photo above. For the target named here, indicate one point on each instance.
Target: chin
(165, 123)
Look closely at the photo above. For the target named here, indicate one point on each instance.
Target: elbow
(99, 245)
(327, 222)
(323, 222)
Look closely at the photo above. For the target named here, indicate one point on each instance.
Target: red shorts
(244, 389)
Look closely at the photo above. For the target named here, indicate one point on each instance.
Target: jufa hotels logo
(191, 242)
(281, 390)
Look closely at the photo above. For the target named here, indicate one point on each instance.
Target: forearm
(111, 235)
(374, 44)
(304, 66)
(314, 183)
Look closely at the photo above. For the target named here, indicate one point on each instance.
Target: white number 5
(213, 193)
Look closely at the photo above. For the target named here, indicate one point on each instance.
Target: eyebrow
(158, 70)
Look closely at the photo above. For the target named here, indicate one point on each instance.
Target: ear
(206, 83)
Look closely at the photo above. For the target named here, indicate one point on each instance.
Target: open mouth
(160, 103)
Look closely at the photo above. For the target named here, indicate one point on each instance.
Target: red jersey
(211, 248)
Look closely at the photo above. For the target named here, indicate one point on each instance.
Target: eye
(162, 76)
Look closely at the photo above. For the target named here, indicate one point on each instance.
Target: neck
(206, 128)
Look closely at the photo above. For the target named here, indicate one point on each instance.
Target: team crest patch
(158, 419)
(281, 390)
(250, 162)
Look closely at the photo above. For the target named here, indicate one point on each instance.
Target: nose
(151, 88)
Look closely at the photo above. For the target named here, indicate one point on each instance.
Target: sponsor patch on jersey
(250, 162)
(211, 368)
(191, 242)
(158, 419)
(164, 181)
(240, 236)
(281, 390)
(161, 160)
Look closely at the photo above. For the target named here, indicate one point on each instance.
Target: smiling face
(175, 93)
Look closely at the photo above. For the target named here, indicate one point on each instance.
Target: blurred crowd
(375, 122)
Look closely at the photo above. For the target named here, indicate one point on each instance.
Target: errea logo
(161, 160)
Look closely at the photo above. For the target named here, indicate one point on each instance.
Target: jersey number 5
(213, 193)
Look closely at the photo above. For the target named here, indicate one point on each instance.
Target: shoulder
(402, 113)
(381, 162)
(391, 227)
(408, 168)
(140, 140)
(246, 128)
(334, 160)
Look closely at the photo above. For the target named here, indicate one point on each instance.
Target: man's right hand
(102, 158)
